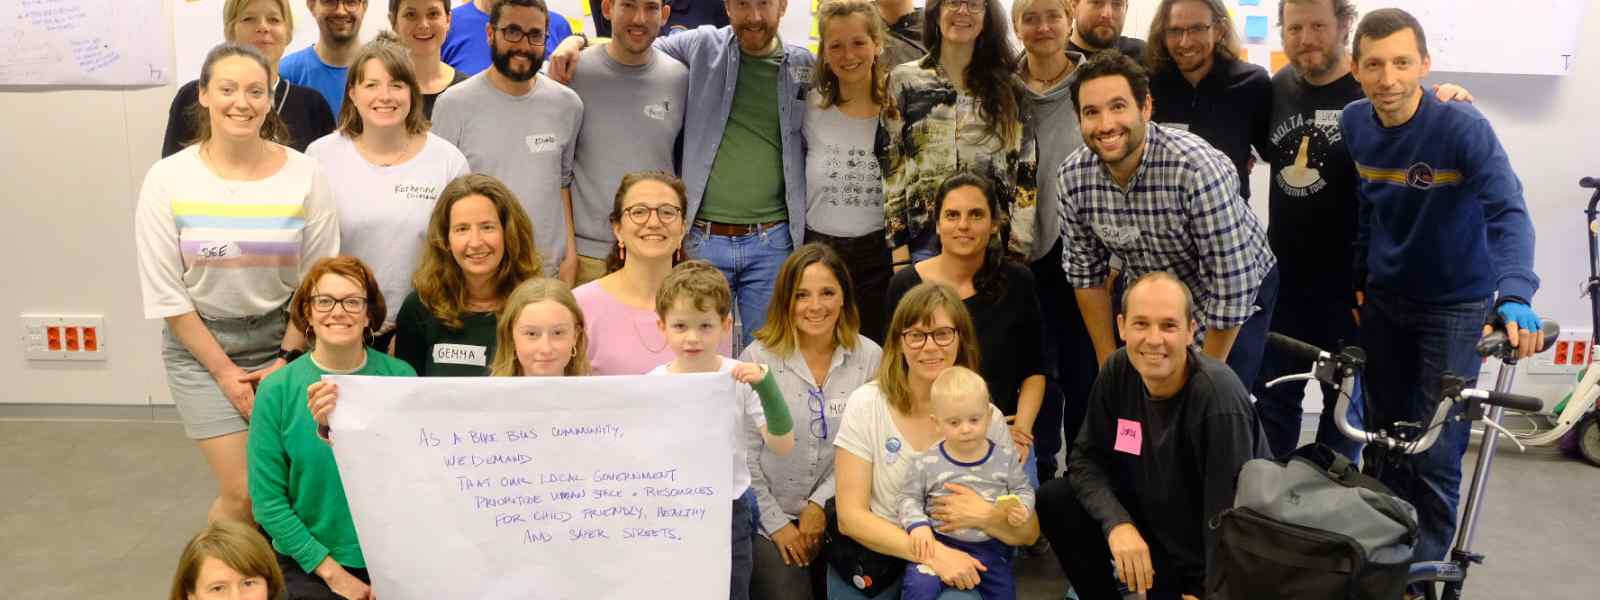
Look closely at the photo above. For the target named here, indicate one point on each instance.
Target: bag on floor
(1311, 527)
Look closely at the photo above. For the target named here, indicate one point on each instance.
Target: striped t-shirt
(229, 248)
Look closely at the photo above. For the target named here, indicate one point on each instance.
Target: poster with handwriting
(84, 42)
(558, 488)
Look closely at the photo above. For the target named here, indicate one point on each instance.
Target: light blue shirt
(712, 55)
(307, 69)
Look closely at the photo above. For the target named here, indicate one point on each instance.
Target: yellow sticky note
(815, 33)
(812, 46)
(586, 11)
(576, 23)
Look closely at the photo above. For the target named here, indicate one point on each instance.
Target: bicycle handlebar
(1296, 349)
(1507, 400)
(1589, 182)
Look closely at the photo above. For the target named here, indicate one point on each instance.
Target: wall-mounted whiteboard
(83, 42)
(1464, 36)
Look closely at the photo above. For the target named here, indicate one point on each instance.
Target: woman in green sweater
(295, 490)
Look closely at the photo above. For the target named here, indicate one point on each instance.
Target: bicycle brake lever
(1507, 433)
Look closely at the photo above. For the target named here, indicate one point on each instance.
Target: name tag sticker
(219, 251)
(540, 143)
(1182, 126)
(801, 74)
(460, 354)
(658, 111)
(1328, 118)
(1130, 437)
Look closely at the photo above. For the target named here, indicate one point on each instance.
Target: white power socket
(1570, 353)
(63, 337)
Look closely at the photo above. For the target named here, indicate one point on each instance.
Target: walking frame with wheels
(1340, 370)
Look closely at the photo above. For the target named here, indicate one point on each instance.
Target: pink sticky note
(1130, 437)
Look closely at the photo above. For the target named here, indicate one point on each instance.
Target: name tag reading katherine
(460, 354)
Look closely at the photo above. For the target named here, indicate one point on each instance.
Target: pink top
(624, 340)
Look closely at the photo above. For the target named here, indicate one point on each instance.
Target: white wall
(74, 158)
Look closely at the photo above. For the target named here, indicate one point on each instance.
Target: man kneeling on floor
(1167, 430)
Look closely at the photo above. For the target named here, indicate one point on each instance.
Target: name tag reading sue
(1130, 437)
(460, 354)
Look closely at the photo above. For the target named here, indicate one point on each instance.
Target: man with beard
(466, 50)
(632, 92)
(521, 127)
(1443, 242)
(322, 65)
(1097, 25)
(1199, 83)
(1312, 208)
(743, 163)
(1163, 200)
(1166, 432)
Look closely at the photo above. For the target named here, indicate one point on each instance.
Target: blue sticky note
(1249, 2)
(1255, 27)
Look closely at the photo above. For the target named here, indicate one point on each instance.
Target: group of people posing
(947, 257)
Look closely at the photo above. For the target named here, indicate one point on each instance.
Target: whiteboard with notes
(84, 42)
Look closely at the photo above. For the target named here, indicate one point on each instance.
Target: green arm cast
(778, 420)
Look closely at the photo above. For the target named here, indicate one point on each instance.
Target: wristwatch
(288, 355)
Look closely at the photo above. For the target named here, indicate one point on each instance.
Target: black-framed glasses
(915, 339)
(352, 304)
(640, 214)
(819, 405)
(515, 34)
(1178, 33)
(971, 6)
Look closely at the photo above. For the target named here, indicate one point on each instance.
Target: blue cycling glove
(1521, 314)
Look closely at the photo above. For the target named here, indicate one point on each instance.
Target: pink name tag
(1130, 437)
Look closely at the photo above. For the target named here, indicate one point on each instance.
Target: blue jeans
(743, 554)
(1322, 319)
(1250, 345)
(996, 583)
(751, 263)
(839, 589)
(1409, 346)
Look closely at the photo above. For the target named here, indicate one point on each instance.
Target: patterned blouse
(936, 131)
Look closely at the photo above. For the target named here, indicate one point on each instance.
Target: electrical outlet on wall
(63, 337)
(1571, 352)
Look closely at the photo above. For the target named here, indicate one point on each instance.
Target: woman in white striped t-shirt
(225, 229)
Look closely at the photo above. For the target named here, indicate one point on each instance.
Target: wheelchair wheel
(1589, 438)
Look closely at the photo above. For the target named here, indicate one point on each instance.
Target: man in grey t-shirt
(521, 127)
(635, 98)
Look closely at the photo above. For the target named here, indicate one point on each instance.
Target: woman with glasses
(479, 248)
(961, 107)
(1001, 296)
(886, 423)
(647, 220)
(386, 169)
(295, 489)
(812, 343)
(267, 26)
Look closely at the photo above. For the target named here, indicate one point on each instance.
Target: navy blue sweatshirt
(1442, 218)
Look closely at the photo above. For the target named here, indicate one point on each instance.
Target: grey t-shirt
(997, 474)
(526, 141)
(635, 114)
(844, 188)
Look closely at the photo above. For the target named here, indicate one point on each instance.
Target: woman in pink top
(621, 307)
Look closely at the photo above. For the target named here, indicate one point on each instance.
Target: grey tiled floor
(101, 509)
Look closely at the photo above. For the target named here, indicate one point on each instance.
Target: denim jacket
(712, 55)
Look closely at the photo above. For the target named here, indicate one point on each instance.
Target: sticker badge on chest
(1328, 119)
(1118, 235)
(460, 354)
(801, 74)
(540, 143)
(892, 448)
(658, 111)
(1130, 437)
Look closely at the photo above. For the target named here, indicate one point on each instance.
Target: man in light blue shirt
(743, 163)
(322, 65)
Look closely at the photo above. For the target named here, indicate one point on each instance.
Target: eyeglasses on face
(916, 338)
(352, 304)
(640, 213)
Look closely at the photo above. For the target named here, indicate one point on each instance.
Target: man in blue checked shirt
(1163, 200)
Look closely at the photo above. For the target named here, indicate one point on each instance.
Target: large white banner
(568, 488)
(84, 42)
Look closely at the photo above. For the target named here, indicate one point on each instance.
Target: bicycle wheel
(1589, 438)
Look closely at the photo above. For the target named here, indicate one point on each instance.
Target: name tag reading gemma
(460, 354)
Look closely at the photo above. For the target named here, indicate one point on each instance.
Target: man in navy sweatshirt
(1442, 236)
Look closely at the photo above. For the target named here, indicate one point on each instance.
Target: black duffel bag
(1311, 527)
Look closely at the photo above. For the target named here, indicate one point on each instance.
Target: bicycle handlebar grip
(1295, 349)
(1515, 402)
(1495, 343)
(1589, 182)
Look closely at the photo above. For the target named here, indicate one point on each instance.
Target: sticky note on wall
(1279, 59)
(1249, 2)
(1255, 27)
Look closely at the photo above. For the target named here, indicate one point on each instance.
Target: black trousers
(308, 586)
(870, 265)
(1069, 360)
(1079, 541)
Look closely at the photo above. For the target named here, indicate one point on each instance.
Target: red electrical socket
(91, 340)
(53, 338)
(1561, 352)
(72, 339)
(1580, 352)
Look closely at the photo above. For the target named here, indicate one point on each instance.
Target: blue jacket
(712, 55)
(1442, 218)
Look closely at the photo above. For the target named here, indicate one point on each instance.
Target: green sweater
(295, 490)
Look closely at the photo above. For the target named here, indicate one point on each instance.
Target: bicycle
(1389, 444)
